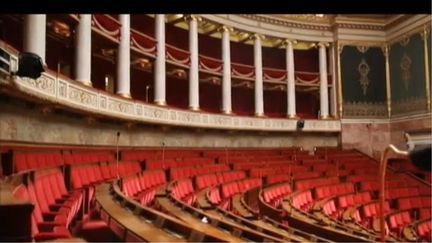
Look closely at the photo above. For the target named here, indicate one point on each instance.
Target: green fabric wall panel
(365, 66)
(407, 69)
(407, 75)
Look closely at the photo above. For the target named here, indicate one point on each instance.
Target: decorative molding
(71, 94)
(277, 21)
(362, 49)
(410, 117)
(409, 106)
(364, 109)
(365, 121)
(359, 26)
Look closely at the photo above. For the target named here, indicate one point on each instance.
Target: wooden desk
(231, 225)
(237, 205)
(202, 199)
(321, 228)
(168, 206)
(128, 221)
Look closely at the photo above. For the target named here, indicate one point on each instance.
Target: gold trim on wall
(339, 79)
(365, 109)
(417, 30)
(386, 50)
(425, 35)
(362, 44)
(409, 106)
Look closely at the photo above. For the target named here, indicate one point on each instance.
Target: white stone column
(160, 62)
(83, 50)
(291, 100)
(123, 57)
(193, 70)
(259, 93)
(35, 34)
(226, 73)
(324, 106)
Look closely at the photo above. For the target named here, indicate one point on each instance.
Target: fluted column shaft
(226, 73)
(123, 57)
(259, 93)
(35, 34)
(160, 63)
(83, 50)
(290, 68)
(324, 106)
(193, 71)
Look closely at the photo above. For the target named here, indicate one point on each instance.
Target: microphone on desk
(117, 154)
(163, 155)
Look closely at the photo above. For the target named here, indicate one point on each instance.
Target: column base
(160, 102)
(227, 112)
(125, 95)
(260, 114)
(192, 108)
(86, 83)
(292, 116)
(325, 117)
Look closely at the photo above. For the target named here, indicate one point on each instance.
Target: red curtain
(100, 68)
(306, 60)
(58, 52)
(243, 101)
(139, 80)
(210, 96)
(177, 92)
(143, 23)
(275, 103)
(273, 58)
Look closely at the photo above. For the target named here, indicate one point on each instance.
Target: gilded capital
(225, 28)
(192, 17)
(288, 42)
(256, 37)
(386, 50)
(425, 33)
(340, 48)
(323, 44)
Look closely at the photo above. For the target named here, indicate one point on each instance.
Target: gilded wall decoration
(362, 74)
(365, 109)
(364, 69)
(409, 105)
(362, 49)
(407, 71)
(404, 41)
(405, 65)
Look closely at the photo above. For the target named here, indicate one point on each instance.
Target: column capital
(424, 34)
(256, 36)
(191, 17)
(288, 42)
(323, 44)
(386, 50)
(340, 48)
(225, 28)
